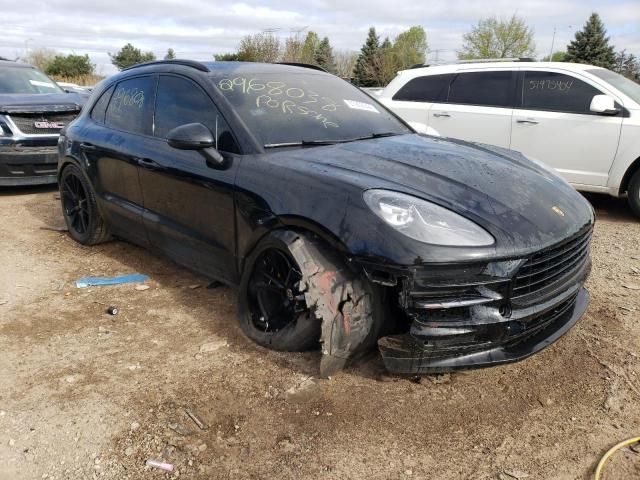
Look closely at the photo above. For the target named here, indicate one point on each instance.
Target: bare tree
(261, 47)
(40, 57)
(345, 63)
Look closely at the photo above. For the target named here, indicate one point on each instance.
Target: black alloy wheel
(75, 204)
(274, 296)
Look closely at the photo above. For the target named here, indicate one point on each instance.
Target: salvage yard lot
(84, 394)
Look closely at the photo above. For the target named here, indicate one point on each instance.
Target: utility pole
(553, 40)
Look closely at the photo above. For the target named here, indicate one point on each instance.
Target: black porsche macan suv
(33, 110)
(336, 222)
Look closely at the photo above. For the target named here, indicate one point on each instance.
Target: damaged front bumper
(481, 315)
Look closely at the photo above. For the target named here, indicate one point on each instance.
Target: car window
(180, 101)
(626, 86)
(492, 89)
(430, 88)
(556, 92)
(294, 105)
(100, 108)
(131, 106)
(14, 80)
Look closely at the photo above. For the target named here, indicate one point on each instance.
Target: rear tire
(81, 214)
(633, 193)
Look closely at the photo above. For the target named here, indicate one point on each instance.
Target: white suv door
(553, 124)
(478, 107)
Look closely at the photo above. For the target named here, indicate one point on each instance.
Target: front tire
(272, 308)
(81, 214)
(633, 193)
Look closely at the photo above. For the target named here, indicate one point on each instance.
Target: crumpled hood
(41, 102)
(523, 204)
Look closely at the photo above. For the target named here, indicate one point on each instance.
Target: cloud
(199, 28)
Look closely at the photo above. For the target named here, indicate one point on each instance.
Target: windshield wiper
(303, 143)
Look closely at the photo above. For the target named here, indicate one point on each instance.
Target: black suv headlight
(425, 221)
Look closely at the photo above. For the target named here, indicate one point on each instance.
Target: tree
(70, 66)
(226, 57)
(309, 47)
(409, 48)
(324, 56)
(365, 74)
(40, 58)
(627, 65)
(170, 54)
(129, 56)
(261, 47)
(493, 38)
(292, 49)
(591, 45)
(556, 57)
(345, 61)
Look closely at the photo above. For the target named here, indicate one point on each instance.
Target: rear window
(556, 92)
(131, 106)
(431, 88)
(491, 89)
(100, 108)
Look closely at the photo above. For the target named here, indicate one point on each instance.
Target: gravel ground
(87, 395)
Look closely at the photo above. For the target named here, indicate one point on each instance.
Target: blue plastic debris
(85, 282)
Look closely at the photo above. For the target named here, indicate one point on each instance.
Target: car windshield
(630, 88)
(26, 80)
(306, 107)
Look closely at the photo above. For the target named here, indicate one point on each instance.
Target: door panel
(555, 126)
(476, 124)
(478, 108)
(189, 205)
(120, 119)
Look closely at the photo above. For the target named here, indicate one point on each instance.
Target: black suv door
(189, 205)
(116, 138)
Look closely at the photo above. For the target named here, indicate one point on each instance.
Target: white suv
(582, 120)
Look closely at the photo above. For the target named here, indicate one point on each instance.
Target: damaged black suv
(33, 110)
(335, 221)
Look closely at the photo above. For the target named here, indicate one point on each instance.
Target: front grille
(26, 122)
(548, 266)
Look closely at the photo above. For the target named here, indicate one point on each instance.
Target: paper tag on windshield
(38, 83)
(361, 106)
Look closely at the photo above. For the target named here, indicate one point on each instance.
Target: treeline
(378, 61)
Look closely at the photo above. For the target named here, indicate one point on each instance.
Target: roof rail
(187, 63)
(304, 65)
(491, 60)
(475, 60)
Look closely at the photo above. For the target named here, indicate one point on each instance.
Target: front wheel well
(633, 168)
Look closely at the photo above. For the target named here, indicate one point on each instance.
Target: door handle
(441, 114)
(147, 163)
(530, 121)
(87, 147)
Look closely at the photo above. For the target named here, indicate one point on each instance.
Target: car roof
(10, 64)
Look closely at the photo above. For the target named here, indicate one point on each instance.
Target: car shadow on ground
(611, 208)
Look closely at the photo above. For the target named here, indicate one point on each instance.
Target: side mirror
(192, 136)
(195, 136)
(604, 105)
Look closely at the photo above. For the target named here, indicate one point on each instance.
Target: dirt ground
(87, 395)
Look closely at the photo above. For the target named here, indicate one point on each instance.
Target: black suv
(334, 220)
(33, 110)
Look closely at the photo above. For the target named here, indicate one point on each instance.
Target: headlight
(425, 221)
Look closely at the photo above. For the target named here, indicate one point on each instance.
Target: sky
(196, 29)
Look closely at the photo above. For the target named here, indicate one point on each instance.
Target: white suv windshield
(630, 88)
(26, 80)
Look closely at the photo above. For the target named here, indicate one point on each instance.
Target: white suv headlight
(425, 221)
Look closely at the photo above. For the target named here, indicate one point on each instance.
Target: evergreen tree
(170, 54)
(591, 45)
(324, 56)
(366, 65)
(129, 55)
(627, 65)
